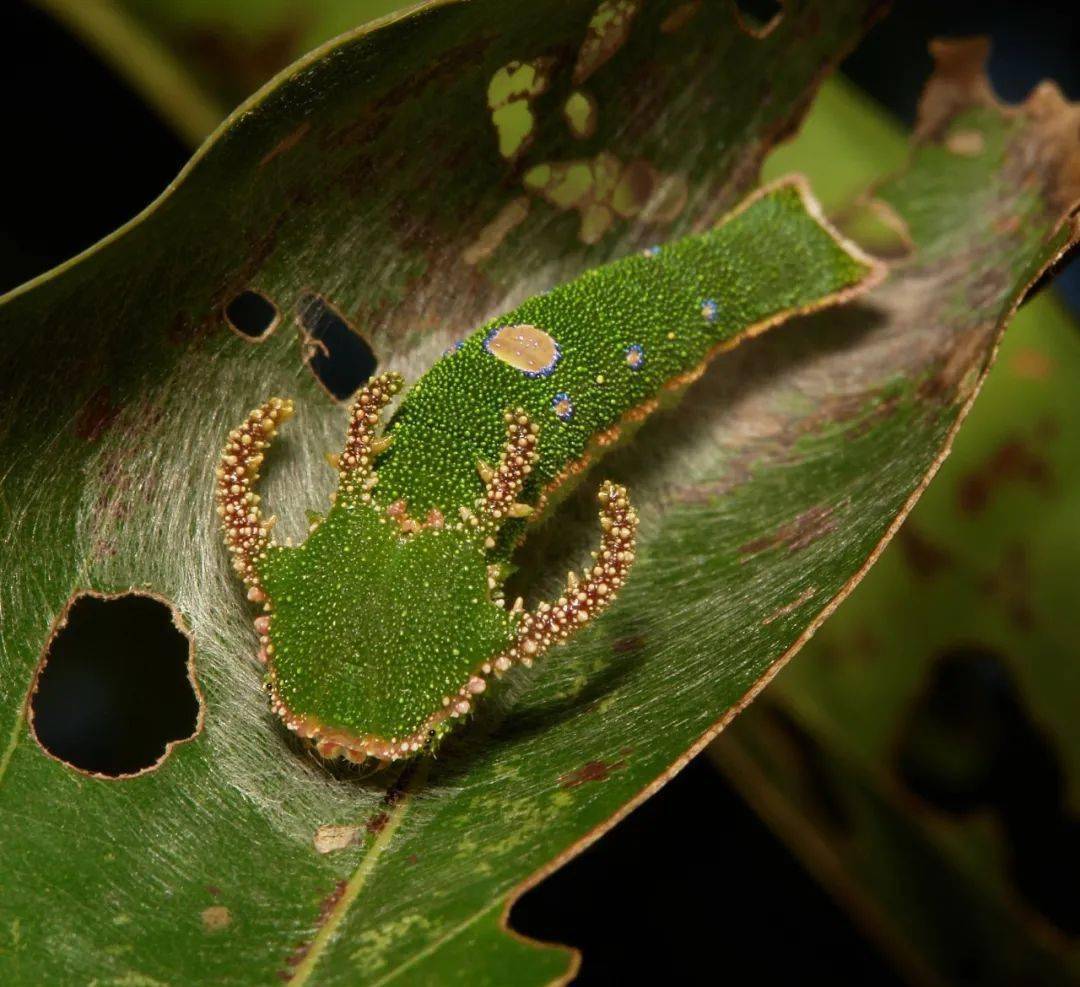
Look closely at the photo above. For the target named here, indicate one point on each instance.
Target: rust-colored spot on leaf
(1013, 461)
(628, 645)
(590, 771)
(492, 235)
(797, 534)
(330, 902)
(805, 596)
(295, 958)
(95, 417)
(286, 144)
(215, 918)
(680, 17)
(326, 909)
(924, 557)
(377, 823)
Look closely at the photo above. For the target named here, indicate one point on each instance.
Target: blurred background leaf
(194, 60)
(923, 756)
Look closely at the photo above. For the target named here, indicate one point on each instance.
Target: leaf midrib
(355, 884)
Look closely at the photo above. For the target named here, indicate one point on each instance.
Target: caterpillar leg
(361, 447)
(585, 596)
(247, 533)
(504, 482)
(548, 625)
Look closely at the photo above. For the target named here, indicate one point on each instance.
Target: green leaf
(376, 181)
(929, 729)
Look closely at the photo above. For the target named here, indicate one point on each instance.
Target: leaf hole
(339, 357)
(252, 314)
(115, 689)
(758, 18)
(970, 745)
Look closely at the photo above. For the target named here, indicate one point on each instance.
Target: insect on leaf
(379, 182)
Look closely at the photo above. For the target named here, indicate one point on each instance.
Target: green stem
(143, 62)
(359, 877)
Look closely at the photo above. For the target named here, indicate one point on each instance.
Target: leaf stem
(145, 63)
(13, 742)
(359, 877)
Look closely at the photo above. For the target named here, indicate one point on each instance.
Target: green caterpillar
(384, 627)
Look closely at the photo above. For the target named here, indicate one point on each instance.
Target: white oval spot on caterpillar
(524, 347)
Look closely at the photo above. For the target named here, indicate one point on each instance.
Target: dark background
(652, 900)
